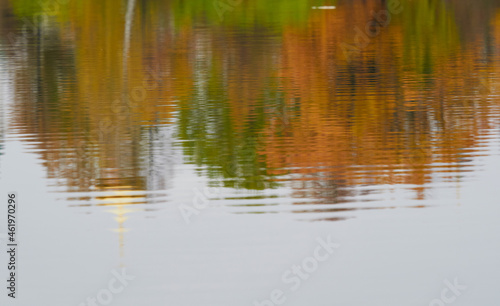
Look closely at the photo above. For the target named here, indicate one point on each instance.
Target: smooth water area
(206, 146)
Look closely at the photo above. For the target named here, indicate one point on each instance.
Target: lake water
(212, 149)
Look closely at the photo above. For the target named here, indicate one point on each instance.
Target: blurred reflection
(260, 98)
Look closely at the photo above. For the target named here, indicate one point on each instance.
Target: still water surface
(206, 147)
